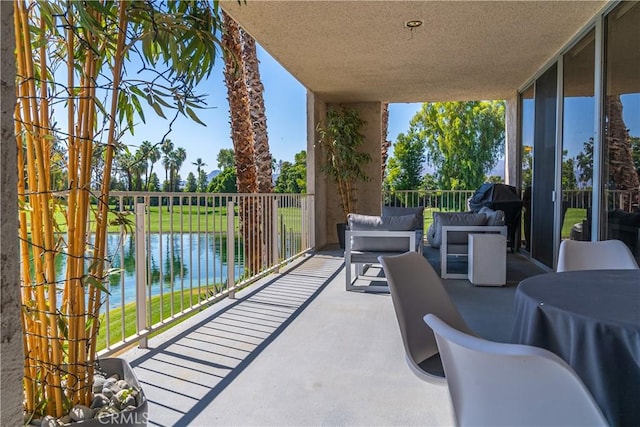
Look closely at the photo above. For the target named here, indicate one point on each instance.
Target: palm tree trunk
(261, 138)
(243, 141)
(257, 112)
(621, 168)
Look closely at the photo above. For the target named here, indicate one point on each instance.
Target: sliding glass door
(544, 155)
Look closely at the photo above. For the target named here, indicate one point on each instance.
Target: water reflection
(176, 262)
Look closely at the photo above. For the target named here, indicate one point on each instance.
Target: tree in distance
(463, 140)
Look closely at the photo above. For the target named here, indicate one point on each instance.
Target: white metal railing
(181, 251)
(447, 200)
(456, 200)
(626, 200)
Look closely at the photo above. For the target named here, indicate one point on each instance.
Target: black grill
(500, 197)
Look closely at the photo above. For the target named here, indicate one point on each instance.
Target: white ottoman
(487, 259)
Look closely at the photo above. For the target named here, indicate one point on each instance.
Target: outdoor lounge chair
(369, 237)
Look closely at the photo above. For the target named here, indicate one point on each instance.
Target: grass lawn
(187, 219)
(168, 300)
(572, 217)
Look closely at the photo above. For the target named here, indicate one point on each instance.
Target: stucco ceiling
(362, 51)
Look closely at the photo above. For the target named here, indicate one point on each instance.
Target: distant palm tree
(167, 148)
(180, 155)
(152, 154)
(199, 164)
(139, 168)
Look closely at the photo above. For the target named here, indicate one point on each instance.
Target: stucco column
(511, 145)
(316, 182)
(11, 356)
(327, 202)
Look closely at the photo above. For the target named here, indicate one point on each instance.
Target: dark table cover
(591, 319)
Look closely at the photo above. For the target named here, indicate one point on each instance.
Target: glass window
(577, 138)
(622, 126)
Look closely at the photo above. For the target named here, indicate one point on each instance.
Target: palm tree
(257, 112)
(179, 156)
(199, 164)
(167, 148)
(126, 162)
(242, 136)
(152, 154)
(139, 168)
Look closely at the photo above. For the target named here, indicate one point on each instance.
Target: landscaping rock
(123, 385)
(49, 421)
(98, 383)
(99, 400)
(81, 413)
(123, 398)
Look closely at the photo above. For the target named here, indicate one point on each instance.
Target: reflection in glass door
(621, 177)
(544, 143)
(577, 139)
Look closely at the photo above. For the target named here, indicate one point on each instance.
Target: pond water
(177, 262)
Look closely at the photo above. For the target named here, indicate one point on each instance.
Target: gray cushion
(441, 219)
(359, 222)
(396, 210)
(493, 217)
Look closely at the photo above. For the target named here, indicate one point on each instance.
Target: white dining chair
(498, 384)
(416, 289)
(602, 255)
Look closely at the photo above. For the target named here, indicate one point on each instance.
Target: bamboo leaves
(341, 140)
(74, 103)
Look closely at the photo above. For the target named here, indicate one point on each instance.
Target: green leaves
(463, 140)
(344, 163)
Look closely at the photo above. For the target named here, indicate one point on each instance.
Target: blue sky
(285, 104)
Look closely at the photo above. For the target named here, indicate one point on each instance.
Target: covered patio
(296, 349)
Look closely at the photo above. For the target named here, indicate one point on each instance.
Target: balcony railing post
(275, 255)
(141, 273)
(231, 267)
(312, 222)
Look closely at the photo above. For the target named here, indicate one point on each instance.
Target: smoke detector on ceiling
(414, 23)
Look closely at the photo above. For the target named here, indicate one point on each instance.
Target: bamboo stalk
(27, 95)
(73, 271)
(101, 219)
(43, 154)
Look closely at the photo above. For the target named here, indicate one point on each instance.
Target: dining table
(591, 319)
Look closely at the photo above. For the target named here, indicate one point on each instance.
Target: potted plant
(341, 139)
(74, 102)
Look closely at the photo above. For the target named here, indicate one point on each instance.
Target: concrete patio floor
(296, 349)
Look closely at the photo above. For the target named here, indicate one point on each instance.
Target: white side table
(487, 259)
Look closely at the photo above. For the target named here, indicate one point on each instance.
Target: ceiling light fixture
(414, 23)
